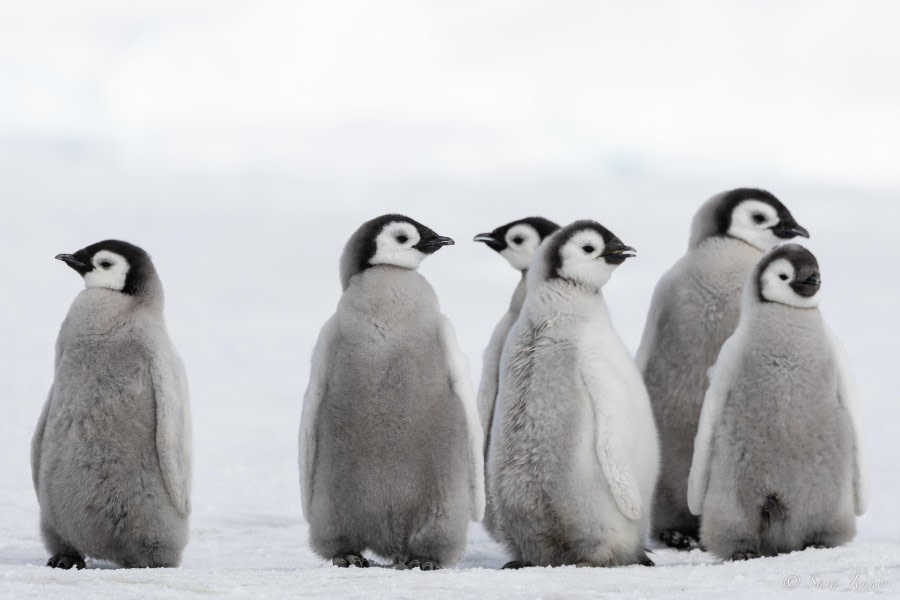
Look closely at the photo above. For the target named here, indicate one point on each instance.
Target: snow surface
(250, 271)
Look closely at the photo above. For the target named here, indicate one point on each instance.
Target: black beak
(808, 287)
(616, 252)
(789, 229)
(73, 262)
(489, 239)
(431, 245)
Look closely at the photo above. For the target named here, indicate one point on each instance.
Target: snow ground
(250, 270)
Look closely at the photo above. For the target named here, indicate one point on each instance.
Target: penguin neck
(99, 311)
(560, 300)
(518, 297)
(385, 292)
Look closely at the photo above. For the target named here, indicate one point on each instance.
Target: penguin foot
(65, 561)
(815, 546)
(350, 560)
(678, 540)
(515, 564)
(424, 564)
(745, 555)
(644, 560)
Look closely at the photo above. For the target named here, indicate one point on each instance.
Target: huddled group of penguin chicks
(735, 429)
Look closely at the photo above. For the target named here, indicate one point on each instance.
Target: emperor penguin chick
(110, 457)
(390, 443)
(778, 460)
(574, 455)
(516, 242)
(694, 309)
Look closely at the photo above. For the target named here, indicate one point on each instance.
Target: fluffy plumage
(695, 308)
(390, 443)
(516, 242)
(110, 456)
(573, 455)
(778, 460)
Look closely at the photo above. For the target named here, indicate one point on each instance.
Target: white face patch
(752, 221)
(582, 261)
(521, 242)
(775, 286)
(110, 270)
(394, 246)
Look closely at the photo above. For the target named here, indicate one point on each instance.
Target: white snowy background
(241, 143)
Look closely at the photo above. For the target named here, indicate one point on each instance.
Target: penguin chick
(110, 457)
(516, 242)
(694, 309)
(778, 459)
(573, 455)
(390, 442)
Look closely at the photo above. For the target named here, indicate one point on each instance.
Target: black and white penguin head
(751, 215)
(789, 275)
(394, 240)
(114, 265)
(517, 241)
(585, 253)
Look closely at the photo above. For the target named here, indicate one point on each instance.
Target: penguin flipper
(37, 440)
(173, 427)
(461, 384)
(849, 399)
(490, 376)
(611, 445)
(721, 375)
(312, 399)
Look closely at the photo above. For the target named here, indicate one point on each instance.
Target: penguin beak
(809, 286)
(431, 245)
(789, 229)
(489, 239)
(73, 262)
(616, 252)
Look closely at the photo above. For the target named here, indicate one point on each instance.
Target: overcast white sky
(805, 92)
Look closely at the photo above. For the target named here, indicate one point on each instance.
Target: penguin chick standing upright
(778, 460)
(110, 456)
(574, 454)
(390, 443)
(694, 309)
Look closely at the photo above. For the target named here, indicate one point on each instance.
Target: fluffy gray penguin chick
(111, 457)
(390, 443)
(516, 242)
(574, 455)
(694, 309)
(779, 459)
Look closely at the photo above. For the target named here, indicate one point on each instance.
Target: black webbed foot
(679, 541)
(745, 555)
(350, 560)
(424, 564)
(515, 564)
(65, 561)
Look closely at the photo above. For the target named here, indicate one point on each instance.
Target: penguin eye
(402, 239)
(783, 277)
(587, 249)
(759, 218)
(518, 240)
(106, 264)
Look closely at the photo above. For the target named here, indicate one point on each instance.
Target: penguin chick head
(114, 265)
(394, 240)
(585, 253)
(789, 275)
(751, 215)
(517, 241)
